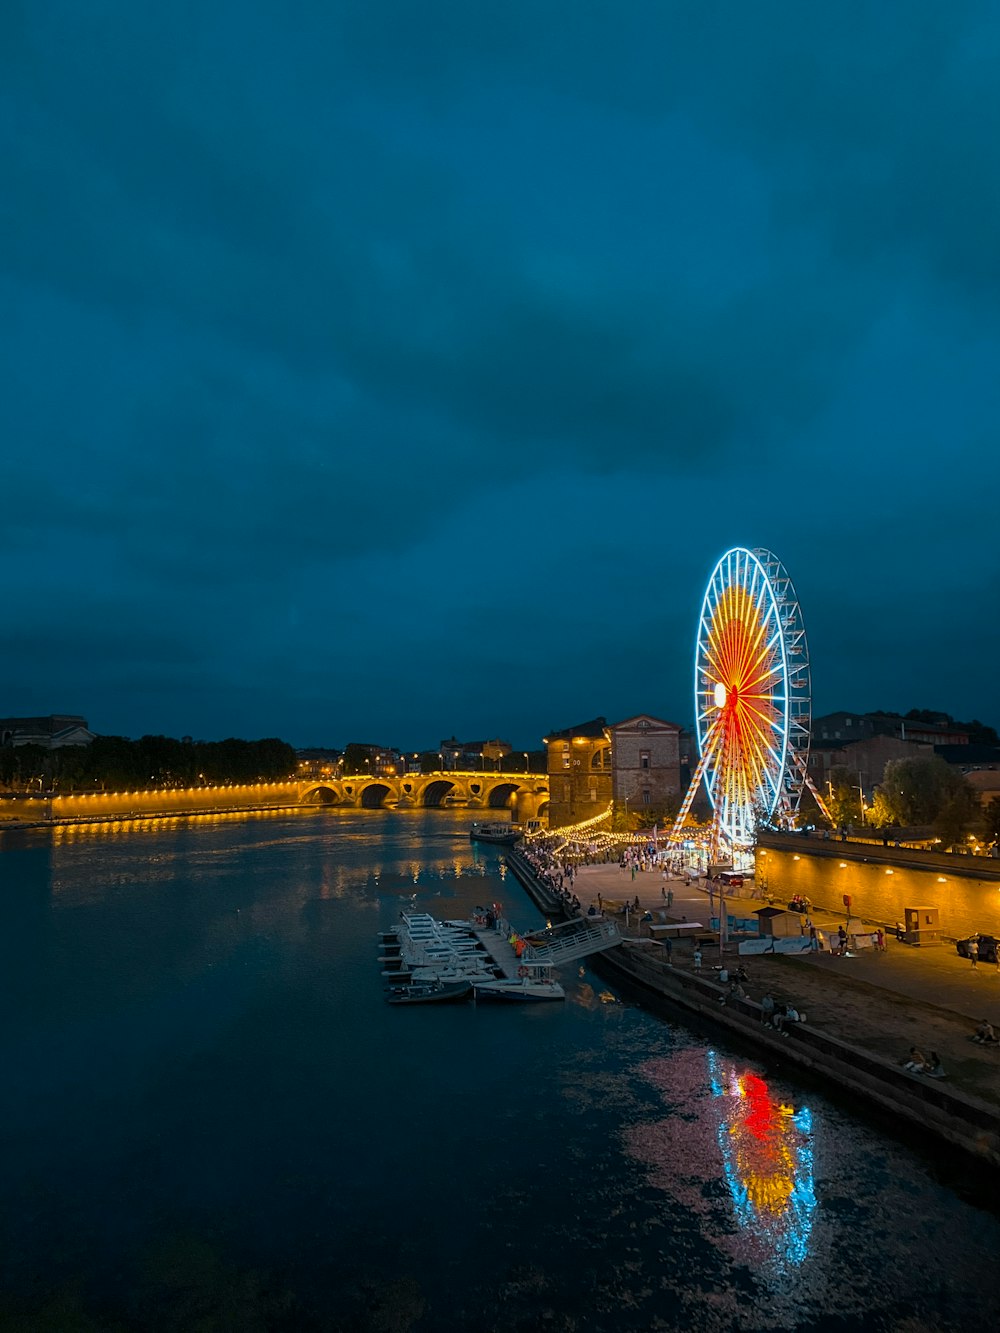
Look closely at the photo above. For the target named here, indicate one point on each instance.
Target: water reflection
(767, 1158)
(725, 1126)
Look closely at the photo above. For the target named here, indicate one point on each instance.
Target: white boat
(520, 989)
(448, 974)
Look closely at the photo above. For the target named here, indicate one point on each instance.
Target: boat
(514, 990)
(449, 974)
(429, 992)
(502, 833)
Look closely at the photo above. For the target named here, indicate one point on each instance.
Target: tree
(880, 813)
(843, 797)
(916, 792)
(991, 821)
(354, 759)
(956, 814)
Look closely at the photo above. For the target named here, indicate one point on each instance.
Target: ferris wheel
(752, 696)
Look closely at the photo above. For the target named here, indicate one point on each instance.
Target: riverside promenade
(863, 1012)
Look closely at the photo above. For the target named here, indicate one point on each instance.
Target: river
(209, 1118)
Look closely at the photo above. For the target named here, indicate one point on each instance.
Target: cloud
(321, 332)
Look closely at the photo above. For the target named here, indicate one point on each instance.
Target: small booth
(778, 922)
(923, 925)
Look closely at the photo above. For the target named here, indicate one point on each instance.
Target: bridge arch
(373, 795)
(502, 796)
(321, 794)
(436, 792)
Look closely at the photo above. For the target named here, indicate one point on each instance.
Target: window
(645, 796)
(643, 758)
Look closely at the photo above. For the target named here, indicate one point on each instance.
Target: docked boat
(429, 992)
(503, 833)
(514, 990)
(448, 974)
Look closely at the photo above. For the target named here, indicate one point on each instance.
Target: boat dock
(546, 948)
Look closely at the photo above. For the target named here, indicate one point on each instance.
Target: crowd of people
(556, 875)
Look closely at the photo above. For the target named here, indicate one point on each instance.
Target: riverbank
(860, 1023)
(143, 817)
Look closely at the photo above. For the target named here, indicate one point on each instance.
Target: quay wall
(964, 1122)
(93, 806)
(882, 881)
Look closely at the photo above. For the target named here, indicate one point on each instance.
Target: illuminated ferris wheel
(752, 695)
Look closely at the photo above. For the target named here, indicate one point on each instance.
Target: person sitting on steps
(985, 1035)
(915, 1061)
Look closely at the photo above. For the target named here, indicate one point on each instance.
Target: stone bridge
(525, 795)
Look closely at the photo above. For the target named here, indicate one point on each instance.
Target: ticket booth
(922, 925)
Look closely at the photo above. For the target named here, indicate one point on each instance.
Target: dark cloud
(331, 332)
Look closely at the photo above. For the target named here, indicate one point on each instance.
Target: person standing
(669, 947)
(974, 953)
(697, 959)
(670, 897)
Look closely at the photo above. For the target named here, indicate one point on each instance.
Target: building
(865, 759)
(578, 762)
(53, 732)
(985, 782)
(365, 760)
(970, 758)
(470, 756)
(645, 765)
(936, 729)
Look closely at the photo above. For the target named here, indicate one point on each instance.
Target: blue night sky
(388, 371)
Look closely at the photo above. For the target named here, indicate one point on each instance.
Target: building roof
(594, 730)
(646, 717)
(969, 754)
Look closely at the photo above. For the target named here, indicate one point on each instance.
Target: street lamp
(862, 791)
(525, 761)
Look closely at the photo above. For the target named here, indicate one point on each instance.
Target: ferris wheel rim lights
(752, 688)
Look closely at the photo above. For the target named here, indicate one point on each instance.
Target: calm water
(210, 1119)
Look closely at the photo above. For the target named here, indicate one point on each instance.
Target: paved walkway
(927, 996)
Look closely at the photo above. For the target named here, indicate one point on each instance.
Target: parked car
(988, 946)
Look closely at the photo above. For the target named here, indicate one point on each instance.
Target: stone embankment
(855, 1038)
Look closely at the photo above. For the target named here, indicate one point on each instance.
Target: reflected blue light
(767, 1160)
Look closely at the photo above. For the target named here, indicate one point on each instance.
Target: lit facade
(578, 761)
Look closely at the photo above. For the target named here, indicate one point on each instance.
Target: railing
(576, 939)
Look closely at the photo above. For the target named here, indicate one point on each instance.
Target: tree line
(915, 793)
(115, 763)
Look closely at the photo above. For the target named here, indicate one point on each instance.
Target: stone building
(646, 767)
(52, 732)
(578, 762)
(866, 759)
